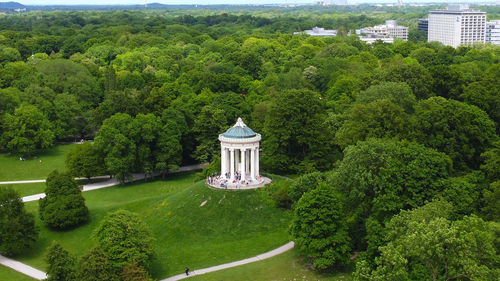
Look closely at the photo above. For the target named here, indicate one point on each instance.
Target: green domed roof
(239, 131)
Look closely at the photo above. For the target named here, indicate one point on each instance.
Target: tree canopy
(17, 227)
(124, 238)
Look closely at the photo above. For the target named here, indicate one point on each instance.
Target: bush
(17, 227)
(95, 266)
(319, 227)
(304, 184)
(61, 264)
(64, 205)
(124, 238)
(133, 272)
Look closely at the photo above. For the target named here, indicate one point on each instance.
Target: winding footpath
(99, 185)
(288, 246)
(40, 275)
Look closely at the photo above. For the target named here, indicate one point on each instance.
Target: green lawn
(25, 189)
(232, 225)
(8, 274)
(11, 168)
(285, 267)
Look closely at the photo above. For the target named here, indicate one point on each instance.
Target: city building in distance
(457, 25)
(390, 29)
(423, 24)
(319, 31)
(372, 38)
(493, 32)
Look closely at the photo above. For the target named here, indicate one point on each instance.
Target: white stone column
(243, 164)
(231, 163)
(247, 157)
(257, 172)
(252, 163)
(237, 157)
(223, 165)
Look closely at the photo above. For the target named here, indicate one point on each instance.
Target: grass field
(285, 267)
(7, 274)
(232, 225)
(11, 168)
(25, 189)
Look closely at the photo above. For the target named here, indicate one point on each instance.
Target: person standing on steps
(187, 271)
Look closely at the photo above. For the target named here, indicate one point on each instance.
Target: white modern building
(389, 29)
(493, 32)
(239, 159)
(457, 25)
(373, 38)
(319, 32)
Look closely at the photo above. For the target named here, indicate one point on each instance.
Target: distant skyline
(210, 2)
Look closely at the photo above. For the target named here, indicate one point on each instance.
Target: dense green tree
(448, 82)
(133, 272)
(84, 161)
(61, 264)
(484, 94)
(460, 130)
(95, 266)
(124, 238)
(127, 101)
(319, 227)
(296, 136)
(146, 128)
(67, 120)
(168, 154)
(8, 54)
(415, 75)
(9, 100)
(17, 227)
(65, 76)
(380, 177)
(397, 92)
(423, 244)
(305, 184)
(491, 202)
(379, 119)
(115, 142)
(27, 131)
(208, 125)
(464, 193)
(343, 93)
(425, 56)
(63, 206)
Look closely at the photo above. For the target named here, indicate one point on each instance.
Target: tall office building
(457, 25)
(423, 24)
(493, 32)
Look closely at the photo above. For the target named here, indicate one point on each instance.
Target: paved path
(18, 182)
(40, 275)
(23, 268)
(111, 182)
(275, 252)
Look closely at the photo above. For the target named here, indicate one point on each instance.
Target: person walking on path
(187, 271)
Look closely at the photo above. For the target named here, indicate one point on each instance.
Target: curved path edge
(288, 246)
(104, 184)
(40, 275)
(23, 268)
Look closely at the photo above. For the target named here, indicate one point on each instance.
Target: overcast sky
(201, 2)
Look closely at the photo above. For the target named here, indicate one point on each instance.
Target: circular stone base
(239, 185)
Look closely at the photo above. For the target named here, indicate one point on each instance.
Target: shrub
(64, 205)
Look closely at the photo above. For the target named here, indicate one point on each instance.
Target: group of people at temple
(223, 180)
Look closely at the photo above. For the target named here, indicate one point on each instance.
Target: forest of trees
(393, 139)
